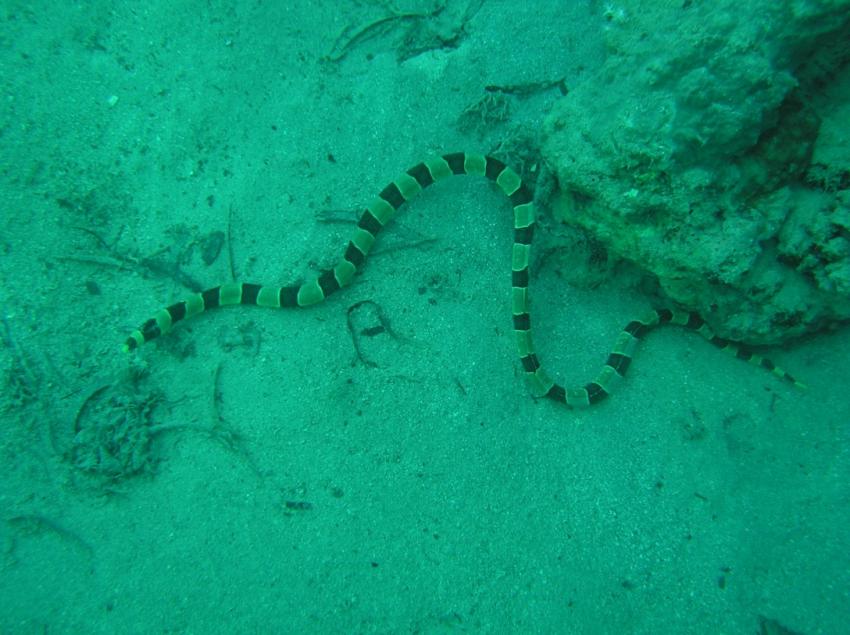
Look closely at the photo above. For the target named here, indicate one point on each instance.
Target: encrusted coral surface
(712, 150)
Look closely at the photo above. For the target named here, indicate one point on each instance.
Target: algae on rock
(712, 151)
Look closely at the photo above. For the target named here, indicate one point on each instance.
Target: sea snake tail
(376, 216)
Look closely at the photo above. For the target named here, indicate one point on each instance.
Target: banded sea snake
(376, 216)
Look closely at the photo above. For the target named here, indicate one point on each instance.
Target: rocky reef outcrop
(713, 151)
